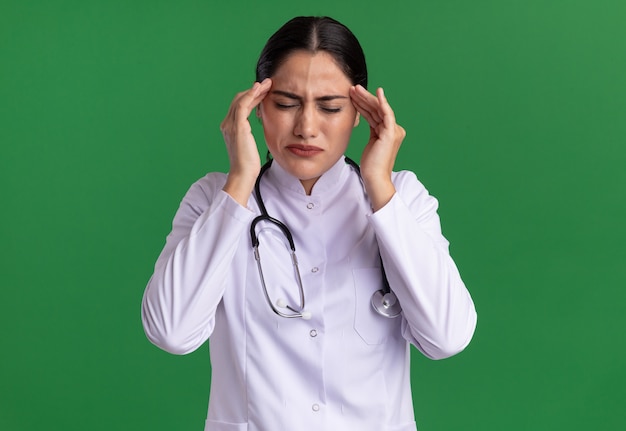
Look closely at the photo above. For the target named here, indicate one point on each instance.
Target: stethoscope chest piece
(386, 303)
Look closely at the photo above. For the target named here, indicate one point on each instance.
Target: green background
(516, 121)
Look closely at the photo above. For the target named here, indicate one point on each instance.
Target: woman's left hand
(380, 152)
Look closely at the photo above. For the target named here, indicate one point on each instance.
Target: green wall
(516, 120)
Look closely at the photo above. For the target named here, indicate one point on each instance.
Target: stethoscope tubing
(384, 301)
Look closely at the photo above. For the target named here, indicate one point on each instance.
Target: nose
(306, 123)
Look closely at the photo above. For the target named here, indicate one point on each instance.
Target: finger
(388, 115)
(262, 89)
(368, 102)
(365, 114)
(246, 101)
(391, 127)
(366, 108)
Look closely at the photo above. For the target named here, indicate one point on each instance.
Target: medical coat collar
(327, 181)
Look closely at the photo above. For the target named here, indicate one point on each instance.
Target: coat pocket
(372, 327)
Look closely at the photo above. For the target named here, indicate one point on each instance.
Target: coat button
(315, 407)
(315, 269)
(310, 205)
(313, 333)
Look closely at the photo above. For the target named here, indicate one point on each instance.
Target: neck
(308, 185)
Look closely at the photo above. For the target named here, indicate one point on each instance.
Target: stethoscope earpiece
(386, 303)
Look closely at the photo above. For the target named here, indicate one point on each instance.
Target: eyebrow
(320, 99)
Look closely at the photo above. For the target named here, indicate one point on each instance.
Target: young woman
(321, 341)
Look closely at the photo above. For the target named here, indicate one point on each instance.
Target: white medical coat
(347, 368)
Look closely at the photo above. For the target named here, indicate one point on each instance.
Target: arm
(439, 315)
(438, 311)
(179, 303)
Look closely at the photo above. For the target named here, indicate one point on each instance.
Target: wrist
(379, 192)
(239, 187)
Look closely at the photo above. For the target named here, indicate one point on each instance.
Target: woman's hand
(380, 152)
(245, 163)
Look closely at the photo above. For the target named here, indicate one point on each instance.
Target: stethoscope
(384, 301)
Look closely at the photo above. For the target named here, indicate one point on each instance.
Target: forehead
(311, 73)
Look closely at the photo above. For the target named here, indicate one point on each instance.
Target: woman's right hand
(245, 163)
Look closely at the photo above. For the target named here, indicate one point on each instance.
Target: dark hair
(313, 34)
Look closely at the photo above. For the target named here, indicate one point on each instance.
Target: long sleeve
(439, 315)
(180, 300)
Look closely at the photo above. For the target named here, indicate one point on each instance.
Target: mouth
(304, 150)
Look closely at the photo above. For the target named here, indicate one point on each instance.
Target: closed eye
(286, 105)
(330, 110)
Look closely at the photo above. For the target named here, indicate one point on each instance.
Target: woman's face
(308, 116)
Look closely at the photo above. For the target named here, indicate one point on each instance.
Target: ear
(257, 110)
(356, 119)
